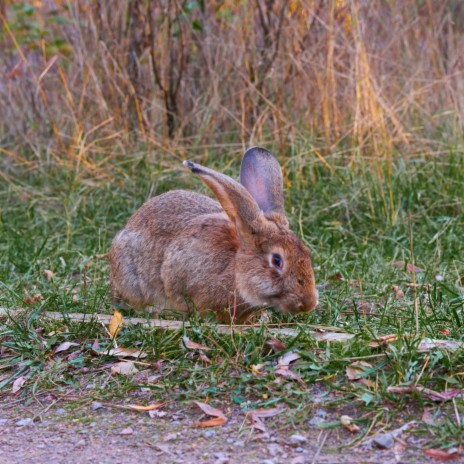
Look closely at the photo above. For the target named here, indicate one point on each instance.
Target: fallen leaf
(258, 369)
(124, 353)
(428, 344)
(219, 417)
(256, 415)
(357, 370)
(337, 276)
(115, 323)
(256, 422)
(18, 384)
(398, 292)
(439, 397)
(216, 422)
(48, 274)
(288, 358)
(204, 358)
(427, 417)
(410, 267)
(287, 373)
(263, 413)
(347, 422)
(64, 347)
(124, 368)
(276, 345)
(383, 341)
(451, 453)
(209, 410)
(150, 407)
(194, 346)
(445, 331)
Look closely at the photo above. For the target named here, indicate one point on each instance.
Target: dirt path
(86, 433)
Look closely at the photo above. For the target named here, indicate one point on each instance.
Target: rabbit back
(169, 247)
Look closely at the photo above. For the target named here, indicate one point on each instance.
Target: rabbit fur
(233, 256)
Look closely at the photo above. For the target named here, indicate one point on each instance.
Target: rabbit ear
(261, 175)
(235, 199)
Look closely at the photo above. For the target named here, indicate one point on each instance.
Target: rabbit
(233, 256)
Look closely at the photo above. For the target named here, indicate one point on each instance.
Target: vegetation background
(362, 101)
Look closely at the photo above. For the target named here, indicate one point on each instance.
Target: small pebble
(220, 455)
(230, 440)
(239, 443)
(60, 411)
(298, 439)
(299, 449)
(3, 421)
(384, 441)
(127, 431)
(268, 461)
(209, 433)
(25, 422)
(175, 422)
(96, 405)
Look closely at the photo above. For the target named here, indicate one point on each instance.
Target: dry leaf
(398, 292)
(194, 346)
(48, 274)
(426, 392)
(347, 422)
(357, 370)
(263, 413)
(150, 407)
(216, 422)
(383, 341)
(124, 353)
(287, 373)
(219, 417)
(115, 323)
(285, 360)
(427, 417)
(65, 346)
(428, 344)
(124, 368)
(451, 453)
(276, 345)
(256, 422)
(410, 267)
(18, 384)
(204, 358)
(209, 410)
(256, 415)
(258, 369)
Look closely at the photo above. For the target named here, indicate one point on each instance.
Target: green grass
(357, 221)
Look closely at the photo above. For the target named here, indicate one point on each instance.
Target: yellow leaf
(150, 407)
(217, 421)
(115, 323)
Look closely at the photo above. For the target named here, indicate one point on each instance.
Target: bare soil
(76, 432)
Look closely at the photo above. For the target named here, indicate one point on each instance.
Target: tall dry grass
(81, 80)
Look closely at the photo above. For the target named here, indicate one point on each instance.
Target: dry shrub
(353, 76)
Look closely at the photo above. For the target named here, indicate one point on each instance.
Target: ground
(387, 249)
(80, 434)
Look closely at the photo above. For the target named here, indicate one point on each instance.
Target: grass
(357, 223)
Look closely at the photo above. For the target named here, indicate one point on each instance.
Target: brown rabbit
(231, 257)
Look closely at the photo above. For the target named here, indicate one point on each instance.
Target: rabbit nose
(308, 303)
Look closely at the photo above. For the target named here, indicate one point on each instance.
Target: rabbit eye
(277, 261)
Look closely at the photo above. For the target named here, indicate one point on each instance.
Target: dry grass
(83, 80)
